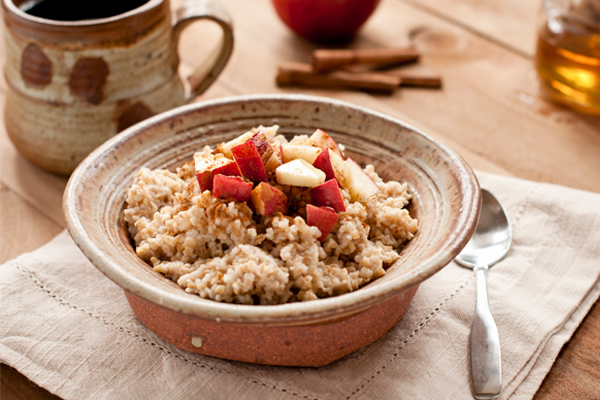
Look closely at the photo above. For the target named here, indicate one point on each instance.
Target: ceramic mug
(72, 84)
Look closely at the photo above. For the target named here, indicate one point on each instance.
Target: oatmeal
(263, 220)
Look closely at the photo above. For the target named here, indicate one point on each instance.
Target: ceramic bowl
(446, 203)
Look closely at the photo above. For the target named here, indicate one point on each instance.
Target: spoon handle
(486, 368)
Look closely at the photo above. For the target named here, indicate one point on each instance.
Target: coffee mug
(78, 75)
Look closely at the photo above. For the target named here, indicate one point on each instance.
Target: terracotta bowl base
(299, 346)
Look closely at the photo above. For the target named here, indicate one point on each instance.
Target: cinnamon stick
(433, 82)
(298, 74)
(329, 60)
(416, 79)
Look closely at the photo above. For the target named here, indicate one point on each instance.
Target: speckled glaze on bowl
(446, 202)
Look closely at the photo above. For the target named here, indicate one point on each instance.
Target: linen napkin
(70, 330)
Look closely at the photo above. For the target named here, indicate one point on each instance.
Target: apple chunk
(265, 151)
(340, 168)
(359, 184)
(323, 218)
(249, 162)
(229, 169)
(231, 187)
(323, 162)
(225, 148)
(299, 173)
(206, 164)
(290, 152)
(321, 139)
(327, 195)
(272, 163)
(267, 200)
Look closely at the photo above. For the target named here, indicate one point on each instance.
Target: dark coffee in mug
(78, 10)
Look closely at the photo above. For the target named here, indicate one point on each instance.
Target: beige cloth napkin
(69, 329)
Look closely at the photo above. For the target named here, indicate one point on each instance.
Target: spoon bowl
(488, 245)
(491, 240)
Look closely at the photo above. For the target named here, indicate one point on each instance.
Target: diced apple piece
(323, 162)
(262, 146)
(359, 184)
(231, 187)
(299, 173)
(248, 161)
(328, 195)
(290, 152)
(206, 164)
(267, 200)
(340, 168)
(323, 218)
(270, 131)
(225, 148)
(324, 141)
(272, 164)
(229, 169)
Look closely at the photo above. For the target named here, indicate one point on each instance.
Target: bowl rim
(317, 311)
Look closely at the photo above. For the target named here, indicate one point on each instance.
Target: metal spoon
(488, 245)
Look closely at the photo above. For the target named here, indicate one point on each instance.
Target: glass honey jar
(568, 53)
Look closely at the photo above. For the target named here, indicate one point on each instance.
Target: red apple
(325, 20)
(327, 195)
(321, 139)
(323, 218)
(249, 162)
(267, 200)
(262, 146)
(205, 180)
(231, 187)
(229, 169)
(205, 165)
(323, 162)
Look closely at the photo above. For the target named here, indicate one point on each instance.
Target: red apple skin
(327, 195)
(323, 218)
(231, 187)
(267, 200)
(265, 151)
(249, 162)
(325, 21)
(230, 169)
(205, 167)
(205, 180)
(281, 153)
(323, 162)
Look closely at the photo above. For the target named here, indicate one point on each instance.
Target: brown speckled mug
(74, 84)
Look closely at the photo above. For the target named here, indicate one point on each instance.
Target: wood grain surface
(489, 111)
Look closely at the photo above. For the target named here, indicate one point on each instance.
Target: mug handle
(207, 72)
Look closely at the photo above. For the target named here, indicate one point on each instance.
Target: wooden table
(489, 111)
